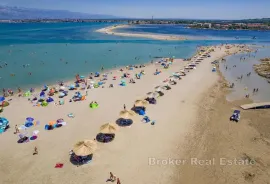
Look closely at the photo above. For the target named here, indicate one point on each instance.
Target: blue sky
(213, 9)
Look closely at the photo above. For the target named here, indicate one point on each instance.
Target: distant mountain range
(9, 13)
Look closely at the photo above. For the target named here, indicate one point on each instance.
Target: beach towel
(59, 165)
(34, 137)
(71, 115)
(37, 123)
(22, 127)
(35, 132)
(62, 123)
(93, 106)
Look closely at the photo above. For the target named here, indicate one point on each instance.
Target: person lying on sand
(131, 81)
(112, 177)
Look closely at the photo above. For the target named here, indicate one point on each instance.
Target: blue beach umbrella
(82, 77)
(3, 122)
(2, 98)
(62, 94)
(30, 119)
(28, 124)
(42, 93)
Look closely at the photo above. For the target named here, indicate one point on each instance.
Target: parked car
(235, 116)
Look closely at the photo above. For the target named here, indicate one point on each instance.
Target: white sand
(111, 31)
(127, 156)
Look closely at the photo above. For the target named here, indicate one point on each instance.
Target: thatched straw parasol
(85, 148)
(140, 103)
(108, 128)
(126, 114)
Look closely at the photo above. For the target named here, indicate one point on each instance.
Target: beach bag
(141, 112)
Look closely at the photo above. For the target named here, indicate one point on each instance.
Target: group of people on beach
(112, 177)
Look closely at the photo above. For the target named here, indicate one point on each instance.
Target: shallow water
(52, 62)
(247, 83)
(58, 51)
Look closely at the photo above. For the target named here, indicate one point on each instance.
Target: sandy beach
(111, 31)
(184, 122)
(233, 152)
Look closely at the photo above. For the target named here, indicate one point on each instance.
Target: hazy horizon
(171, 9)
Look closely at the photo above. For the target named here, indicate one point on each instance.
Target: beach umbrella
(2, 98)
(152, 95)
(82, 77)
(30, 119)
(85, 148)
(173, 78)
(42, 93)
(140, 103)
(108, 128)
(125, 114)
(4, 103)
(62, 94)
(62, 87)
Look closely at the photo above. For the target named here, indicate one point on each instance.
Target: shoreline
(110, 31)
(71, 79)
(131, 143)
(223, 147)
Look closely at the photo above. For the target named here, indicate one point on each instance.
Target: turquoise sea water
(58, 51)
